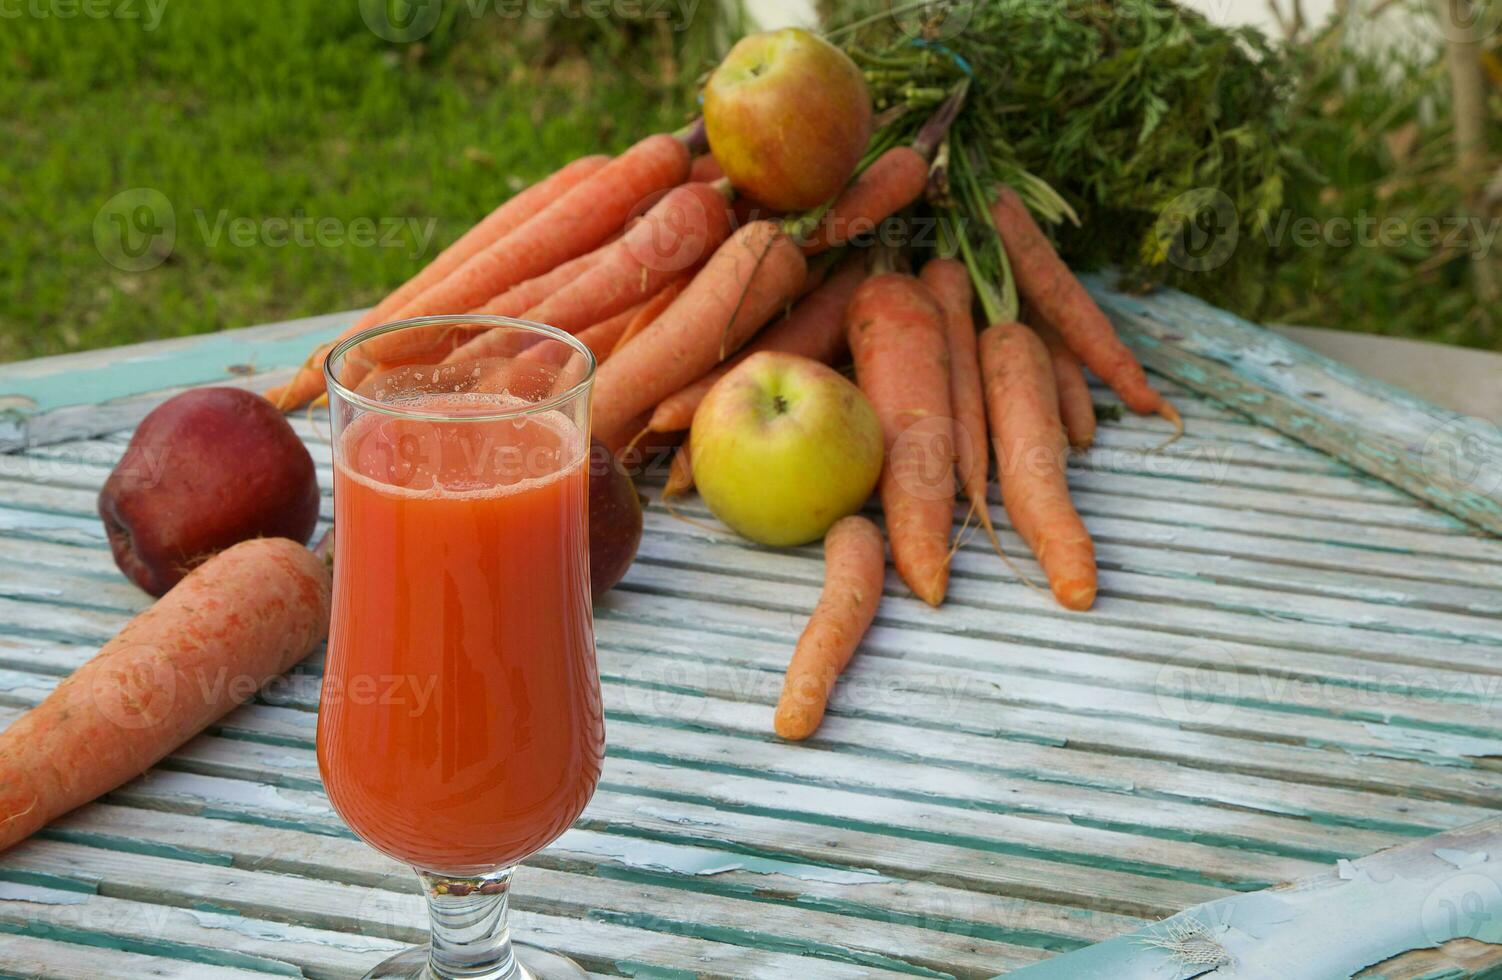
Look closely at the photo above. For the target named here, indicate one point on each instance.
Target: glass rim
(343, 347)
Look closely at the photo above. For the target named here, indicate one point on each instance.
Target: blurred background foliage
(284, 108)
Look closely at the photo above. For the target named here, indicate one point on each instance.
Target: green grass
(247, 116)
(242, 112)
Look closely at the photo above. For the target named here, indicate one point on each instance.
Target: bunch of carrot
(669, 298)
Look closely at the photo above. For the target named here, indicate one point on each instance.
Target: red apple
(614, 520)
(205, 470)
(788, 117)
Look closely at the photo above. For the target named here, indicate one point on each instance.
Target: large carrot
(854, 565)
(814, 329)
(682, 230)
(571, 226)
(603, 337)
(1046, 282)
(308, 383)
(894, 180)
(705, 169)
(468, 341)
(480, 342)
(896, 333)
(600, 338)
(233, 623)
(1076, 407)
(525, 295)
(508, 361)
(748, 280)
(1030, 455)
(552, 258)
(949, 281)
(648, 312)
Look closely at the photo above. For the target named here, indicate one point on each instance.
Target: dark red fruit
(205, 470)
(614, 520)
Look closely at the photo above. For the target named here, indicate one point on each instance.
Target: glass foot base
(532, 964)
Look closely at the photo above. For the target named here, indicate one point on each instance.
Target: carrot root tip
(1170, 413)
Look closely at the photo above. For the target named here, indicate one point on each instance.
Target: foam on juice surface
(462, 454)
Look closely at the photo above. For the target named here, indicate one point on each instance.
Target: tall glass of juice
(460, 728)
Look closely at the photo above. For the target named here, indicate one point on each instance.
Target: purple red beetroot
(614, 520)
(205, 470)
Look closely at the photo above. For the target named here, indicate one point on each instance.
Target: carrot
(814, 328)
(571, 226)
(896, 332)
(894, 180)
(854, 566)
(379, 352)
(949, 281)
(705, 169)
(308, 383)
(623, 440)
(680, 473)
(1030, 453)
(501, 360)
(1046, 282)
(679, 233)
(479, 341)
(483, 342)
(649, 312)
(749, 209)
(1076, 407)
(525, 295)
(234, 622)
(603, 337)
(749, 278)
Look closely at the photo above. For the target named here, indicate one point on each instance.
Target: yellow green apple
(788, 116)
(783, 447)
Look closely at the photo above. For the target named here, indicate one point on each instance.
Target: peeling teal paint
(1096, 861)
(207, 956)
(762, 940)
(151, 848)
(53, 383)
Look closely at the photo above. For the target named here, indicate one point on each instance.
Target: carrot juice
(461, 727)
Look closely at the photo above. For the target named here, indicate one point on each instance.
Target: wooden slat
(996, 782)
(73, 396)
(1338, 924)
(1437, 455)
(45, 959)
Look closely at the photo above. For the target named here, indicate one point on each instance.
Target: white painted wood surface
(1290, 664)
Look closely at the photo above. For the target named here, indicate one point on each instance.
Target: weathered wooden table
(1291, 665)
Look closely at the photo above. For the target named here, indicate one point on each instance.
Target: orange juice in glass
(461, 728)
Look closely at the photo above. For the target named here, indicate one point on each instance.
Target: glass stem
(471, 940)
